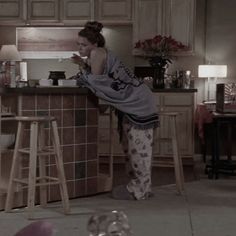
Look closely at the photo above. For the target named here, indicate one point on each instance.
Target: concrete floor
(207, 208)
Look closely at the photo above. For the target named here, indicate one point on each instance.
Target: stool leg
(14, 168)
(42, 167)
(60, 168)
(177, 159)
(32, 167)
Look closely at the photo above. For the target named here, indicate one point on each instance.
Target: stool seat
(37, 152)
(35, 118)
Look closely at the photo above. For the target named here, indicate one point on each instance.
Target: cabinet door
(184, 131)
(11, 12)
(148, 19)
(179, 20)
(114, 11)
(43, 11)
(184, 105)
(78, 11)
(104, 136)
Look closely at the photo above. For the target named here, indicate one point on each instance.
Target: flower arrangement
(160, 48)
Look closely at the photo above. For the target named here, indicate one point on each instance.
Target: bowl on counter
(67, 82)
(45, 82)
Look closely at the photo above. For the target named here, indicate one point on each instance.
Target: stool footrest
(43, 152)
(164, 139)
(50, 180)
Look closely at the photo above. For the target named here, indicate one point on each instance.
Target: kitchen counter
(60, 89)
(174, 90)
(78, 90)
(45, 90)
(76, 111)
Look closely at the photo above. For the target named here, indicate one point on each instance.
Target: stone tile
(92, 168)
(56, 102)
(80, 171)
(80, 117)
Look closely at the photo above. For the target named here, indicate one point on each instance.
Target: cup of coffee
(45, 82)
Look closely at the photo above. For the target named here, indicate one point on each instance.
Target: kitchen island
(76, 111)
(86, 151)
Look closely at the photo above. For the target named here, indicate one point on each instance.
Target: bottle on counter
(179, 78)
(187, 79)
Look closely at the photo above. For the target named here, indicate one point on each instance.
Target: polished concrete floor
(207, 208)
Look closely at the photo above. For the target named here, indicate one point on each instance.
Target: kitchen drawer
(178, 100)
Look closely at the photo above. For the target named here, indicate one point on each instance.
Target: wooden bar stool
(178, 166)
(37, 151)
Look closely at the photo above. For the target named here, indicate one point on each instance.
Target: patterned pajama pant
(137, 145)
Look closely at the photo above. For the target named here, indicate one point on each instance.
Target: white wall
(221, 34)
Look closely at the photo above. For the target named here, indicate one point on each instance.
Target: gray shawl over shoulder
(125, 92)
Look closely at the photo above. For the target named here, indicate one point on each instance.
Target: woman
(108, 78)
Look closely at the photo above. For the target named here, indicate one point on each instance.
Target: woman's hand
(76, 59)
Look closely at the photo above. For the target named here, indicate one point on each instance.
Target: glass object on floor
(114, 223)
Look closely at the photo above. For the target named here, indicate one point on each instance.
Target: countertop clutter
(77, 89)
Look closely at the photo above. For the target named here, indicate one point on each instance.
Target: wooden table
(219, 165)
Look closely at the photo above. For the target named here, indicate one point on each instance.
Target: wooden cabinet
(27, 12)
(148, 19)
(77, 11)
(11, 12)
(105, 11)
(181, 102)
(165, 17)
(180, 20)
(64, 12)
(43, 11)
(104, 135)
(114, 11)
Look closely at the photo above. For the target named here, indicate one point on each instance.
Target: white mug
(45, 82)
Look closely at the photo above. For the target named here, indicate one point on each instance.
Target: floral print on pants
(137, 145)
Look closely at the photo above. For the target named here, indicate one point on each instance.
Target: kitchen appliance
(56, 75)
(226, 98)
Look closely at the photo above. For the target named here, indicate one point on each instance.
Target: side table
(218, 165)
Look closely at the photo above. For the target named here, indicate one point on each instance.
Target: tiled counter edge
(76, 111)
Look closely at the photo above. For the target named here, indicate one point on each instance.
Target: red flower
(159, 46)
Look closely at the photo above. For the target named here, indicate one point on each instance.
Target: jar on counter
(180, 75)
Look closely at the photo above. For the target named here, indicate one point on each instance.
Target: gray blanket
(122, 90)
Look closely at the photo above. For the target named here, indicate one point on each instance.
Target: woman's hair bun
(94, 25)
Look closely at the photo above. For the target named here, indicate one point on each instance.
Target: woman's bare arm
(97, 61)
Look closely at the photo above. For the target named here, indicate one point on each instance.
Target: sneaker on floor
(121, 193)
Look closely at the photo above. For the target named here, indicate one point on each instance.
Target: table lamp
(211, 71)
(9, 55)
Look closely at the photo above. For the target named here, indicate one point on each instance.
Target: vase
(159, 78)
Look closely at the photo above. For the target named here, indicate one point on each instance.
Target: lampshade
(9, 53)
(219, 71)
